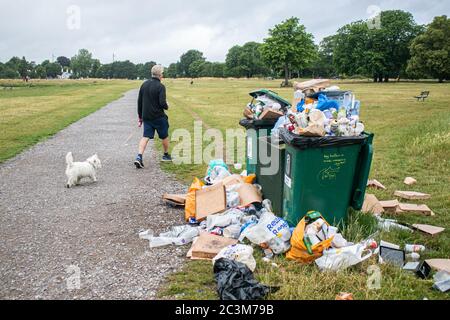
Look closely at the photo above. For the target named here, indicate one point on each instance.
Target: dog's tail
(69, 159)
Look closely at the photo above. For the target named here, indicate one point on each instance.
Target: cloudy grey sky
(161, 30)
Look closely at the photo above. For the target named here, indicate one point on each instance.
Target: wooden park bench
(423, 95)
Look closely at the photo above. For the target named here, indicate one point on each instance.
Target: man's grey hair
(157, 70)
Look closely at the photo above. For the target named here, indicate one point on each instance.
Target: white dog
(76, 171)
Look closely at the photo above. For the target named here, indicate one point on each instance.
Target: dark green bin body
(326, 179)
(255, 130)
(272, 183)
(261, 128)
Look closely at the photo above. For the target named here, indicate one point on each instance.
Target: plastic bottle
(410, 248)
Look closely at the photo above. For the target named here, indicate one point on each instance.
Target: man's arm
(162, 98)
(139, 110)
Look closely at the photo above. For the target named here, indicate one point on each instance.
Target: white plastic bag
(232, 232)
(240, 253)
(339, 259)
(268, 227)
(232, 216)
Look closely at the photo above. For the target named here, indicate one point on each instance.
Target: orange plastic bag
(189, 211)
(299, 252)
(250, 178)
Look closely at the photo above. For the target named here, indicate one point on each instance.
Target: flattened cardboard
(210, 200)
(270, 114)
(175, 199)
(390, 205)
(248, 194)
(208, 246)
(431, 230)
(412, 195)
(376, 184)
(232, 180)
(439, 264)
(416, 208)
(248, 113)
(372, 205)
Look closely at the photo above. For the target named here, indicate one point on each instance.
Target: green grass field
(36, 110)
(411, 139)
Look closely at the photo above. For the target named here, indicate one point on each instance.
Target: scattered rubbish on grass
(431, 230)
(344, 296)
(415, 208)
(409, 248)
(390, 224)
(339, 259)
(376, 184)
(442, 281)
(372, 205)
(439, 264)
(392, 256)
(240, 253)
(412, 195)
(390, 206)
(235, 281)
(409, 181)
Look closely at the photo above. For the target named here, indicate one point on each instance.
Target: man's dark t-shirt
(152, 100)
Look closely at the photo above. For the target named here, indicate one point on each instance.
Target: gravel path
(46, 228)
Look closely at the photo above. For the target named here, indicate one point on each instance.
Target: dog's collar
(92, 165)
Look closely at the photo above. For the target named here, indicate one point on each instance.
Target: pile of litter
(330, 112)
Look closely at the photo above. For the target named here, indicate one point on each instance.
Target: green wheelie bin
(270, 171)
(325, 174)
(259, 128)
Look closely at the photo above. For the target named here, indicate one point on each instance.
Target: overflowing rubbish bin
(261, 114)
(270, 171)
(326, 174)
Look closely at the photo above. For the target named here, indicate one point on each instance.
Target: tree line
(391, 45)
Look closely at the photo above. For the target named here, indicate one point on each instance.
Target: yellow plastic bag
(189, 211)
(299, 252)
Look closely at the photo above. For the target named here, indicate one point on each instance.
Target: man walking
(151, 105)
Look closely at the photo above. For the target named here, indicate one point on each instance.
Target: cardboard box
(210, 200)
(372, 205)
(431, 230)
(175, 199)
(270, 114)
(415, 208)
(208, 246)
(248, 194)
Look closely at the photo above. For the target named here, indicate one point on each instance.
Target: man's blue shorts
(160, 125)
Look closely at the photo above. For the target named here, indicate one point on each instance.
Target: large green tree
(82, 64)
(289, 47)
(380, 51)
(431, 51)
(53, 70)
(172, 70)
(187, 59)
(246, 61)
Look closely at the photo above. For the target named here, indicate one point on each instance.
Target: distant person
(151, 105)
